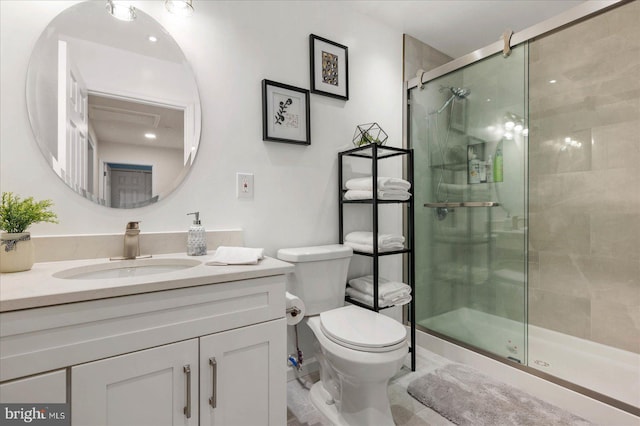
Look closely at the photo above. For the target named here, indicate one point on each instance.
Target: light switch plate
(244, 185)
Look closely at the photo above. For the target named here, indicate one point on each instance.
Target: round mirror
(113, 105)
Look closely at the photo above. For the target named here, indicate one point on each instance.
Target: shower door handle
(463, 204)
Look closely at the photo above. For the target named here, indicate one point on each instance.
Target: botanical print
(282, 110)
(329, 68)
(283, 116)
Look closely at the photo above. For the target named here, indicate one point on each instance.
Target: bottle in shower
(498, 164)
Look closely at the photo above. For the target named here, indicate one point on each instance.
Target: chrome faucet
(131, 241)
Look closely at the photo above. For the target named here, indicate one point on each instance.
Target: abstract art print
(329, 68)
(285, 113)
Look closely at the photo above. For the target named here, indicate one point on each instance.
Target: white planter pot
(16, 252)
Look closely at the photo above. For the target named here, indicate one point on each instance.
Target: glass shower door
(469, 133)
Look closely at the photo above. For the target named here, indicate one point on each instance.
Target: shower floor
(603, 369)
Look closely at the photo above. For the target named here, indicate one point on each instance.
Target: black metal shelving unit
(375, 153)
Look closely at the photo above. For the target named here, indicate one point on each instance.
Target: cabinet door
(243, 376)
(149, 387)
(48, 388)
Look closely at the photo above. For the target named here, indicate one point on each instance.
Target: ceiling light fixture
(152, 39)
(150, 135)
(179, 7)
(123, 12)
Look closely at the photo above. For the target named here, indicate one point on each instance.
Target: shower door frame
(581, 12)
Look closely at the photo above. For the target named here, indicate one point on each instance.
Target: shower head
(456, 93)
(460, 92)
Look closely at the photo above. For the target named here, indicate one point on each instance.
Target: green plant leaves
(17, 215)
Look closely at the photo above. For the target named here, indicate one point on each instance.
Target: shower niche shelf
(375, 153)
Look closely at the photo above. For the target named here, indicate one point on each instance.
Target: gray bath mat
(466, 397)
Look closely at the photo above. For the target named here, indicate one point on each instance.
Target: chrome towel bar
(463, 204)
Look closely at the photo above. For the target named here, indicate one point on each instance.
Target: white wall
(231, 47)
(135, 75)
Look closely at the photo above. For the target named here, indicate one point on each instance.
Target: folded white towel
(367, 299)
(366, 183)
(366, 248)
(236, 256)
(387, 194)
(387, 290)
(384, 240)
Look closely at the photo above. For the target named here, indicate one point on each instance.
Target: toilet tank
(320, 275)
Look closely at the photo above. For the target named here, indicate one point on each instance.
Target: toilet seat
(362, 330)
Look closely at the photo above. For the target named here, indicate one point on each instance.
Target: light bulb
(123, 12)
(179, 7)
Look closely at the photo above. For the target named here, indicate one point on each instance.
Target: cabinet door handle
(214, 375)
(187, 408)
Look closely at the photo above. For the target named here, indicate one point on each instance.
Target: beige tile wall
(420, 56)
(584, 167)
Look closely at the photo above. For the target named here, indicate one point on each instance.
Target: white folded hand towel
(387, 290)
(366, 248)
(358, 194)
(366, 183)
(394, 194)
(385, 241)
(367, 194)
(236, 256)
(367, 299)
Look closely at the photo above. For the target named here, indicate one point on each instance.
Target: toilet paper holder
(294, 311)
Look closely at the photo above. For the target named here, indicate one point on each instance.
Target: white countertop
(38, 287)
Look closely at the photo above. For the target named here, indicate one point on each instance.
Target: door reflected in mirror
(113, 105)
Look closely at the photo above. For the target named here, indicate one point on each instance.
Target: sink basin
(126, 269)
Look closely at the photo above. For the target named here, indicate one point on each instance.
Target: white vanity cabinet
(238, 382)
(147, 387)
(239, 385)
(46, 388)
(211, 354)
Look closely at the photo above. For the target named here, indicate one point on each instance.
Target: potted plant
(16, 215)
(369, 133)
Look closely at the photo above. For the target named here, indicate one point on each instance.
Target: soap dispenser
(196, 238)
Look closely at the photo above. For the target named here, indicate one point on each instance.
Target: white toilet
(360, 350)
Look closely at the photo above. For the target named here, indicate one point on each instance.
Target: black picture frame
(329, 67)
(286, 113)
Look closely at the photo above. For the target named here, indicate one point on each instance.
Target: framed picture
(285, 113)
(329, 68)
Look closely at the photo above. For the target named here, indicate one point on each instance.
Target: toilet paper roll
(295, 309)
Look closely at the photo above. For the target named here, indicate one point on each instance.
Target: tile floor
(406, 410)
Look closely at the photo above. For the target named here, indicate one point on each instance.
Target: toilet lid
(361, 329)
